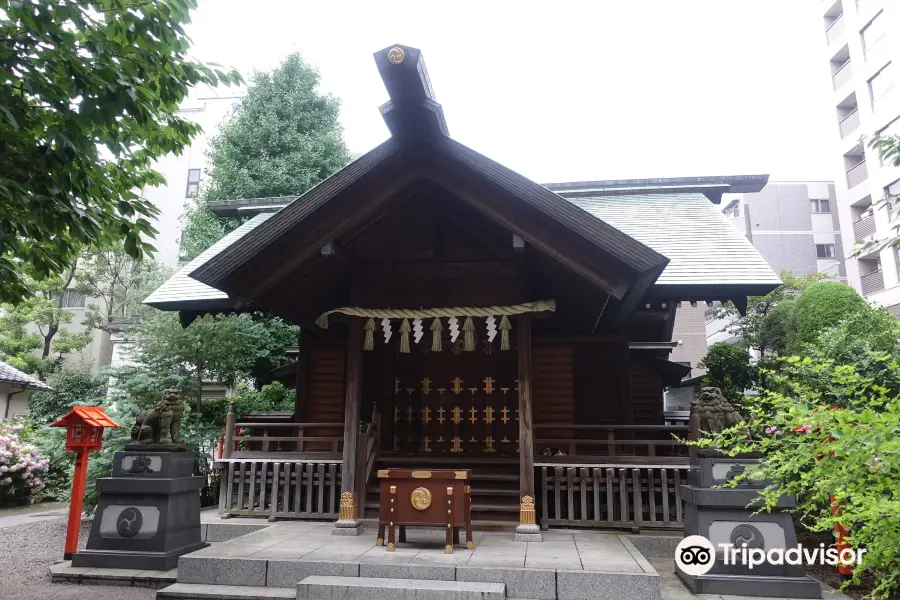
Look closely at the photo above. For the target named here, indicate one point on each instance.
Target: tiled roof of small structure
(17, 378)
(92, 415)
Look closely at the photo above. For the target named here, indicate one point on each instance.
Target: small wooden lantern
(84, 433)
(84, 428)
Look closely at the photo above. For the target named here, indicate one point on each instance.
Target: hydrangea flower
(21, 463)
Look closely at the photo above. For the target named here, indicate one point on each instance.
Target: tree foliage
(118, 281)
(823, 305)
(285, 139)
(33, 333)
(750, 326)
(90, 99)
(728, 368)
(70, 386)
(813, 451)
(222, 348)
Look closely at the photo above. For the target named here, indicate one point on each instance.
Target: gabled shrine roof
(180, 291)
(702, 246)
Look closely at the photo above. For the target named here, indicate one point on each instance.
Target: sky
(570, 91)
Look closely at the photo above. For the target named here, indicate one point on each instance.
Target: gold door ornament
(420, 498)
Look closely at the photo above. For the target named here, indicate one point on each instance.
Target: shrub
(823, 305)
(21, 466)
(812, 449)
(777, 332)
(71, 385)
(729, 369)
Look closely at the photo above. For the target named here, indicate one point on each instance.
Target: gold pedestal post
(348, 506)
(528, 530)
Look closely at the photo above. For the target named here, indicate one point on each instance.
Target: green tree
(70, 386)
(823, 305)
(285, 139)
(33, 336)
(729, 369)
(90, 99)
(749, 327)
(777, 331)
(222, 348)
(117, 281)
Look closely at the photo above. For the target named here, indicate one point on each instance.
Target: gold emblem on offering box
(420, 498)
(421, 474)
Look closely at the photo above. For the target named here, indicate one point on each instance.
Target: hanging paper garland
(505, 326)
(454, 328)
(369, 343)
(418, 330)
(436, 329)
(491, 328)
(469, 335)
(386, 327)
(404, 336)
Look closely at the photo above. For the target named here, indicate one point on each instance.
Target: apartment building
(794, 225)
(862, 48)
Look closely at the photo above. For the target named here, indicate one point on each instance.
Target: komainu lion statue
(716, 413)
(162, 425)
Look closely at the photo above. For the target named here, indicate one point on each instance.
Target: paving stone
(595, 585)
(552, 563)
(656, 546)
(637, 556)
(287, 573)
(222, 570)
(222, 532)
(407, 571)
(188, 591)
(535, 584)
(369, 588)
(497, 561)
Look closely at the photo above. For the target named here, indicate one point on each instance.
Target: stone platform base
(190, 591)
(64, 572)
(765, 586)
(528, 533)
(158, 561)
(347, 528)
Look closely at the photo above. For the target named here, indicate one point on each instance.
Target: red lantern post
(84, 432)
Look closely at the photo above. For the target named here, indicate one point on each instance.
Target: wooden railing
(611, 496)
(297, 489)
(647, 441)
(252, 440)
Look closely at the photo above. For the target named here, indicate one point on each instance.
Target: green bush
(777, 331)
(71, 386)
(729, 369)
(823, 305)
(813, 450)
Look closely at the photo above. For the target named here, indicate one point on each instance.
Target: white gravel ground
(26, 553)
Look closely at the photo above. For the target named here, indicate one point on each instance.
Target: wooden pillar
(527, 530)
(348, 522)
(301, 398)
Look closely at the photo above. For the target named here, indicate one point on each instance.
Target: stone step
(317, 587)
(201, 591)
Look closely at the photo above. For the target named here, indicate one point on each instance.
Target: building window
(820, 205)
(193, 183)
(873, 33)
(824, 250)
(70, 299)
(881, 84)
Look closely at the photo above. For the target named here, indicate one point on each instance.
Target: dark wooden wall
(554, 388)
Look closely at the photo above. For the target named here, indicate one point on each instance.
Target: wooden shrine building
(456, 314)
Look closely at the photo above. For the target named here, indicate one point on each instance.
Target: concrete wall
(690, 331)
(18, 404)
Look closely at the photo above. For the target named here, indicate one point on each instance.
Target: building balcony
(842, 75)
(872, 283)
(849, 124)
(857, 174)
(864, 227)
(835, 30)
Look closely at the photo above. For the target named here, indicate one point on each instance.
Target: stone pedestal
(148, 513)
(721, 516)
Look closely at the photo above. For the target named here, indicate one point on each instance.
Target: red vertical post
(219, 448)
(845, 570)
(75, 505)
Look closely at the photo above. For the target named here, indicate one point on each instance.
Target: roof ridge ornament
(396, 55)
